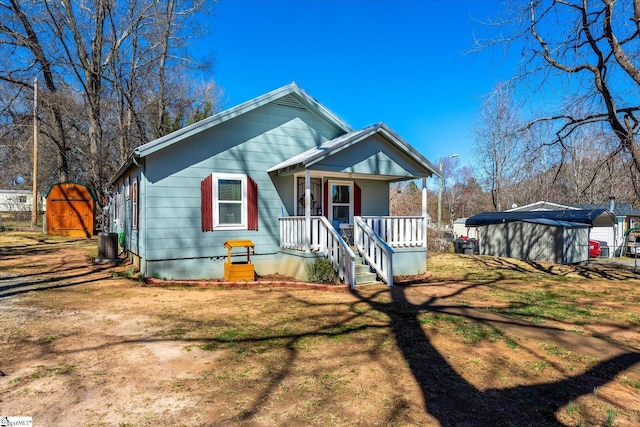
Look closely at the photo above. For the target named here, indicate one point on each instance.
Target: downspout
(141, 194)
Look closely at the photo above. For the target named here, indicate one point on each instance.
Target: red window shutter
(325, 199)
(206, 203)
(357, 200)
(252, 205)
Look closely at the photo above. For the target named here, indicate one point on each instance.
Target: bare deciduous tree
(113, 74)
(497, 143)
(585, 51)
(405, 199)
(465, 197)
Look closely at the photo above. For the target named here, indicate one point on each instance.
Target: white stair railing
(324, 238)
(374, 250)
(338, 252)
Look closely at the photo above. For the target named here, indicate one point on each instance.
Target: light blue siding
(373, 156)
(250, 140)
(124, 224)
(176, 247)
(409, 261)
(375, 197)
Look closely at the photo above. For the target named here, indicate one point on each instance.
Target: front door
(315, 185)
(341, 203)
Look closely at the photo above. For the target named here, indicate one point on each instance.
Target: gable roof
(580, 216)
(290, 95)
(336, 145)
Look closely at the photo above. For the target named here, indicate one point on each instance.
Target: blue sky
(402, 62)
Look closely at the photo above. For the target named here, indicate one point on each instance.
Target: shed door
(70, 214)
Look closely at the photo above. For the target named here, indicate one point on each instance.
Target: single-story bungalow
(560, 236)
(282, 172)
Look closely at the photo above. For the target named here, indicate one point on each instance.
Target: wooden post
(424, 211)
(34, 209)
(307, 210)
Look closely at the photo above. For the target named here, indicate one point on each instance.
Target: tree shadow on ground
(602, 269)
(446, 394)
(456, 402)
(38, 246)
(27, 277)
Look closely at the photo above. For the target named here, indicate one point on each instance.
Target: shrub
(321, 271)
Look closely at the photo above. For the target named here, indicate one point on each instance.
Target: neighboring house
(560, 236)
(460, 229)
(16, 201)
(282, 171)
(626, 218)
(610, 235)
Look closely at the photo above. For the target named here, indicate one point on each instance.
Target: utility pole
(440, 191)
(34, 210)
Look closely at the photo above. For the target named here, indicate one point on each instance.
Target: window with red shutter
(229, 202)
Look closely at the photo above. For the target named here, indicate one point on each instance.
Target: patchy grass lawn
(486, 341)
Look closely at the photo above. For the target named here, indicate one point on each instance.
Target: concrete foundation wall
(409, 261)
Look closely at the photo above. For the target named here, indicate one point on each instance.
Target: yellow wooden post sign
(239, 270)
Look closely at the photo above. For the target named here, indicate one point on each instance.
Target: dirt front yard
(485, 342)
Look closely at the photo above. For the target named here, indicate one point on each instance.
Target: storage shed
(610, 235)
(561, 237)
(70, 210)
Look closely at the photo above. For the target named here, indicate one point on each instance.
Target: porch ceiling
(374, 152)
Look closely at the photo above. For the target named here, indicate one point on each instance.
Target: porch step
(364, 275)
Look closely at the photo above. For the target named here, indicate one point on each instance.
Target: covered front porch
(387, 245)
(340, 204)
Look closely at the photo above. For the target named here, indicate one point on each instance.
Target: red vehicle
(594, 249)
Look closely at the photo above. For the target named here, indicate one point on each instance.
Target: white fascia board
(409, 150)
(291, 88)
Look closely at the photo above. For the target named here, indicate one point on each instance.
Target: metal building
(561, 237)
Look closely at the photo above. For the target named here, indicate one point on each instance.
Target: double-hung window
(229, 202)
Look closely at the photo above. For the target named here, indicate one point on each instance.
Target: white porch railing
(374, 250)
(323, 238)
(374, 238)
(399, 231)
